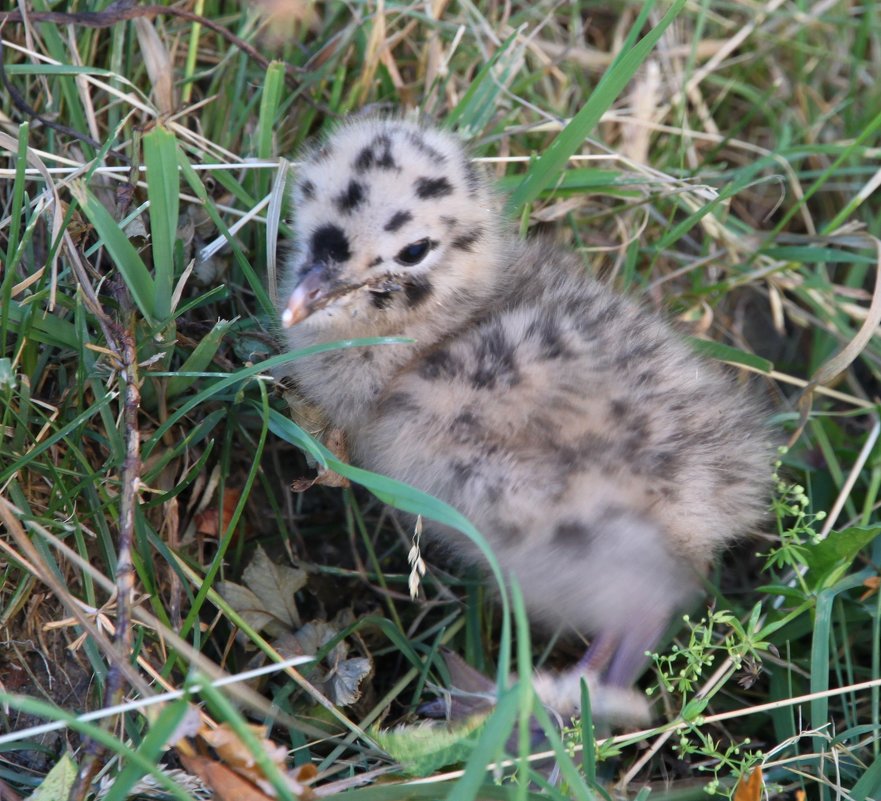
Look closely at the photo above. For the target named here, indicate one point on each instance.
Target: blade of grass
(123, 254)
(473, 112)
(551, 163)
(163, 192)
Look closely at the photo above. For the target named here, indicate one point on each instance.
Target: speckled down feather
(605, 462)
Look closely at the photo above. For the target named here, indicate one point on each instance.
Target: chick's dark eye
(413, 253)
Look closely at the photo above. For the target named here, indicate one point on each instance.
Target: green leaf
(123, 254)
(199, 359)
(726, 353)
(270, 100)
(869, 784)
(151, 748)
(41, 327)
(163, 192)
(552, 162)
(58, 781)
(477, 106)
(694, 708)
(579, 180)
(254, 281)
(840, 548)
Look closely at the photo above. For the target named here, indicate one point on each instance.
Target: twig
(122, 344)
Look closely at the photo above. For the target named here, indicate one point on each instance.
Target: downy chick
(603, 460)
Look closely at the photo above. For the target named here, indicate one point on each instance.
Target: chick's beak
(313, 286)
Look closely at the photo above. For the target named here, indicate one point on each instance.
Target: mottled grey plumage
(605, 463)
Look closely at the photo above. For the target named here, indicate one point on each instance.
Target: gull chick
(605, 462)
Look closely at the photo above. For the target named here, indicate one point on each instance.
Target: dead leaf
(233, 752)
(207, 521)
(275, 585)
(158, 64)
(309, 639)
(749, 788)
(246, 603)
(236, 768)
(342, 682)
(335, 441)
(267, 602)
(189, 726)
(226, 783)
(306, 773)
(313, 420)
(872, 585)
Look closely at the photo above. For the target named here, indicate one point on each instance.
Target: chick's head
(391, 220)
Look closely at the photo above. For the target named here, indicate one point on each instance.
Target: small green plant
(712, 755)
(795, 527)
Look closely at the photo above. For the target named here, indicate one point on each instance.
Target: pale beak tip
(287, 318)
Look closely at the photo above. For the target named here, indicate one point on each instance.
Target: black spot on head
(329, 243)
(375, 262)
(472, 176)
(468, 240)
(364, 160)
(381, 300)
(397, 221)
(350, 198)
(417, 290)
(573, 534)
(427, 188)
(496, 363)
(593, 448)
(426, 149)
(366, 355)
(330, 360)
(377, 155)
(307, 190)
(440, 364)
(449, 222)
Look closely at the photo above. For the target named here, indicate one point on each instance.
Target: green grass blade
(477, 106)
(727, 353)
(545, 170)
(150, 748)
(163, 191)
(123, 254)
(254, 281)
(200, 358)
(489, 746)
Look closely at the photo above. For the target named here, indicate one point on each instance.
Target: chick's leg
(629, 658)
(600, 652)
